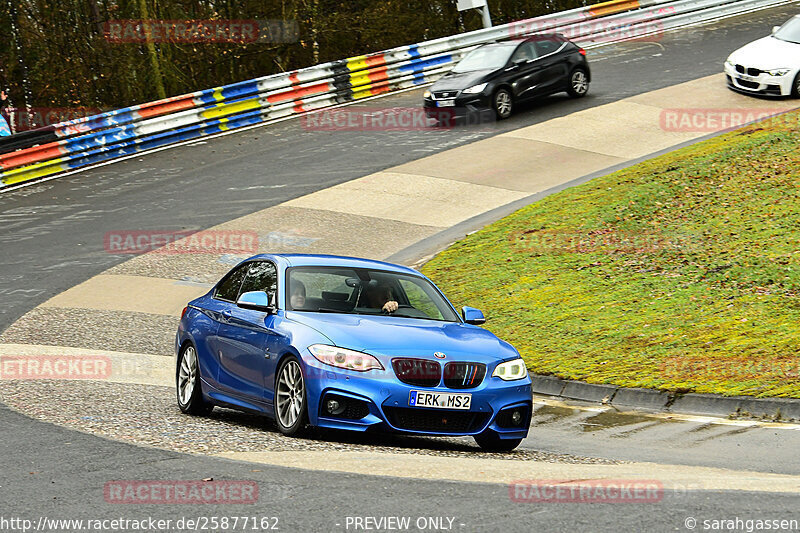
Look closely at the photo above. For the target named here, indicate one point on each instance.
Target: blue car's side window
(228, 290)
(262, 276)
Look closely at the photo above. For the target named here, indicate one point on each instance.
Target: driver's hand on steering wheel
(391, 306)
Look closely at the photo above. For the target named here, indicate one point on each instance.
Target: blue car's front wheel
(291, 414)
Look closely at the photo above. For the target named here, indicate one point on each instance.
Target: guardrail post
(480, 5)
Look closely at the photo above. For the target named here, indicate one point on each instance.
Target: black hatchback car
(500, 75)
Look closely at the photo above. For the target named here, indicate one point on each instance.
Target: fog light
(516, 417)
(334, 407)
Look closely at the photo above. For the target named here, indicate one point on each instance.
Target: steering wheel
(399, 306)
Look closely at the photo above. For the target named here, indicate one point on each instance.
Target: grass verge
(680, 273)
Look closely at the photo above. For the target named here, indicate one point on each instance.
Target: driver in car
(298, 295)
(380, 297)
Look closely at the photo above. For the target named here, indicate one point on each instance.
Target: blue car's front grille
(463, 375)
(418, 372)
(435, 420)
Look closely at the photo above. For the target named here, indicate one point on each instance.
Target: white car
(769, 66)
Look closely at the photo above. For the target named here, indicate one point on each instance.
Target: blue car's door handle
(226, 314)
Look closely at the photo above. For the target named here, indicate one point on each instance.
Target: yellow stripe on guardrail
(32, 172)
(223, 110)
(615, 6)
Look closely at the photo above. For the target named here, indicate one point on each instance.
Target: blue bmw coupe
(346, 343)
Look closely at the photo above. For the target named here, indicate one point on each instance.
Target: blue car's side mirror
(257, 301)
(473, 316)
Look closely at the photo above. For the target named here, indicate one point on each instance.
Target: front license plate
(446, 103)
(439, 400)
(748, 78)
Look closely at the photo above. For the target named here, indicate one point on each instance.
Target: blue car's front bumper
(383, 400)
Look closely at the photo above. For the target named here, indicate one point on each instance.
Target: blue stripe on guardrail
(418, 65)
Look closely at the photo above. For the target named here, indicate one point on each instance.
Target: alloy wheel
(503, 104)
(579, 83)
(290, 394)
(187, 376)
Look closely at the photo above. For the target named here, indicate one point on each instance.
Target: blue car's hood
(395, 336)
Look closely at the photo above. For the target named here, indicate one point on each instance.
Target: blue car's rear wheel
(489, 441)
(190, 396)
(291, 415)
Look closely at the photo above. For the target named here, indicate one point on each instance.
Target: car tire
(796, 86)
(503, 104)
(187, 384)
(490, 441)
(578, 83)
(290, 405)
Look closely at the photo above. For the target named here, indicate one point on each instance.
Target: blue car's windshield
(490, 57)
(790, 31)
(365, 292)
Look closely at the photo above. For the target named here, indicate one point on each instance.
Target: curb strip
(783, 409)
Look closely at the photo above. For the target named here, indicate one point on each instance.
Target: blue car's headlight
(511, 370)
(344, 358)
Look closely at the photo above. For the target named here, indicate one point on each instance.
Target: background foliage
(63, 58)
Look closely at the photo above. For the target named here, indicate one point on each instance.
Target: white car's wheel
(796, 86)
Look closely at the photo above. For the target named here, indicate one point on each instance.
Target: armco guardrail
(79, 143)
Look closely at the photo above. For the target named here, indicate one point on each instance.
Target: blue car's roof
(294, 260)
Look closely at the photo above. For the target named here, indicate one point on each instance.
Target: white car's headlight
(779, 71)
(344, 358)
(426, 94)
(475, 89)
(729, 63)
(511, 370)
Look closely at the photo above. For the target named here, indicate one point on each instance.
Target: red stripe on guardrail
(166, 107)
(296, 93)
(31, 155)
(375, 60)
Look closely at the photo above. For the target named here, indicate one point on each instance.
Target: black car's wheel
(489, 441)
(578, 83)
(187, 381)
(796, 86)
(503, 103)
(291, 414)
